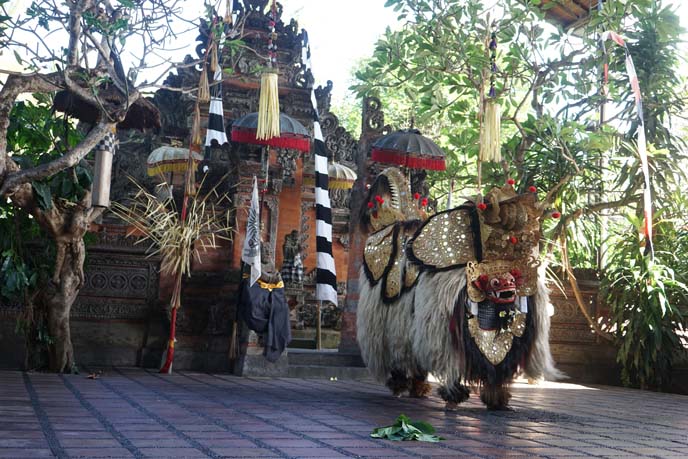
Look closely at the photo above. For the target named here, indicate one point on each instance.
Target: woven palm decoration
(268, 104)
(490, 145)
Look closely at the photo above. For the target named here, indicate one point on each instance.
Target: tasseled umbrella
(293, 135)
(408, 148)
(341, 177)
(170, 159)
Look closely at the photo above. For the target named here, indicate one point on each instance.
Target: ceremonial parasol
(293, 134)
(408, 148)
(341, 177)
(170, 159)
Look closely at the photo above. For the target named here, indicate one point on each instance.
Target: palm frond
(158, 222)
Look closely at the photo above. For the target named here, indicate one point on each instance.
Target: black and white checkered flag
(326, 275)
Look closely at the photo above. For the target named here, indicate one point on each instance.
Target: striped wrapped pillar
(326, 275)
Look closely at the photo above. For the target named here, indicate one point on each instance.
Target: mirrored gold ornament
(496, 344)
(378, 251)
(445, 240)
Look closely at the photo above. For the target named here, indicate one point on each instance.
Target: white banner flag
(251, 251)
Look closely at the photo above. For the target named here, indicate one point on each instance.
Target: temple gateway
(121, 316)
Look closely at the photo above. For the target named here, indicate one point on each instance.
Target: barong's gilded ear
(446, 240)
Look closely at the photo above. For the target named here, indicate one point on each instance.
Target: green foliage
(435, 68)
(648, 300)
(16, 277)
(654, 41)
(36, 136)
(39, 330)
(407, 430)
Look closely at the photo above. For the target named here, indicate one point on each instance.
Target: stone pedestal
(253, 363)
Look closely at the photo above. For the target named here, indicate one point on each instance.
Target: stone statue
(292, 265)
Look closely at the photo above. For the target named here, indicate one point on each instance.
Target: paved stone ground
(137, 413)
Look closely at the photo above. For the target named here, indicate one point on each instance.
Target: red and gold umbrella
(408, 148)
(293, 135)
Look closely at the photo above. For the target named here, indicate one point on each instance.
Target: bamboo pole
(175, 302)
(318, 325)
(189, 189)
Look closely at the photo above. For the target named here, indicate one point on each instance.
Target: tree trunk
(58, 299)
(65, 224)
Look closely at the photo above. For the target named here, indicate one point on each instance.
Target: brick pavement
(138, 413)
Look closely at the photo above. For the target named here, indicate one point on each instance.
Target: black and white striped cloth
(292, 270)
(326, 275)
(216, 118)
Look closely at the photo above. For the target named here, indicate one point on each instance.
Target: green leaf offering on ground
(404, 429)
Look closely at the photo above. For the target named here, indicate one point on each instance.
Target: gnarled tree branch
(69, 159)
(14, 86)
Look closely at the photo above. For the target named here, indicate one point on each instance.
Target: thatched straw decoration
(214, 64)
(203, 87)
(176, 243)
(196, 127)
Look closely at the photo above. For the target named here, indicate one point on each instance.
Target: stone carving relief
(345, 240)
(374, 118)
(107, 275)
(305, 227)
(323, 97)
(175, 106)
(299, 107)
(117, 286)
(273, 206)
(339, 141)
(340, 198)
(130, 162)
(256, 16)
(108, 310)
(287, 159)
(239, 103)
(331, 316)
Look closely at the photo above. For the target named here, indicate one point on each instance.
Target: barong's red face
(500, 288)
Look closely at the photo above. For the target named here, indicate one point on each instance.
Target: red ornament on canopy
(293, 135)
(408, 148)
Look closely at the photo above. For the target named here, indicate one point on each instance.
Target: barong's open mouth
(505, 295)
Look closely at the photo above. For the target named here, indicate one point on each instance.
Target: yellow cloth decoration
(265, 285)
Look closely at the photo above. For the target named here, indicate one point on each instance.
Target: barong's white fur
(540, 363)
(413, 332)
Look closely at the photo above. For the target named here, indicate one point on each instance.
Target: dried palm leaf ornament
(268, 104)
(490, 145)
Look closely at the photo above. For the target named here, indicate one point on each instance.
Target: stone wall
(580, 353)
